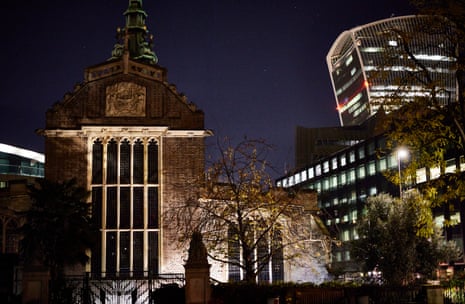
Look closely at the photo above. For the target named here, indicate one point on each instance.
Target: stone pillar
(35, 285)
(197, 272)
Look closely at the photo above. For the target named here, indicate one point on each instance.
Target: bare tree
(247, 222)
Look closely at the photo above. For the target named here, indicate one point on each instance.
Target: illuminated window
(351, 156)
(361, 152)
(382, 164)
(351, 176)
(342, 178)
(353, 197)
(342, 160)
(353, 216)
(326, 166)
(311, 173)
(361, 171)
(333, 183)
(318, 170)
(421, 175)
(3, 184)
(325, 184)
(334, 163)
(372, 168)
(304, 175)
(450, 166)
(318, 186)
(345, 235)
(349, 60)
(434, 172)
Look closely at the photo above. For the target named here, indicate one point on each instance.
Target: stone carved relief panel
(125, 99)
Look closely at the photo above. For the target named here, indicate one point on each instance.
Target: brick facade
(135, 102)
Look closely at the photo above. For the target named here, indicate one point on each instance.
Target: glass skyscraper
(372, 66)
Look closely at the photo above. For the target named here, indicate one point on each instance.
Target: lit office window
(342, 178)
(334, 163)
(353, 197)
(318, 186)
(342, 160)
(421, 176)
(304, 175)
(351, 156)
(355, 234)
(333, 183)
(311, 172)
(434, 172)
(361, 152)
(392, 161)
(372, 168)
(297, 178)
(451, 167)
(318, 170)
(325, 184)
(382, 164)
(372, 191)
(326, 166)
(351, 176)
(345, 235)
(361, 171)
(353, 216)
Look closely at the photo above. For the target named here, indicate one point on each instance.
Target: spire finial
(135, 37)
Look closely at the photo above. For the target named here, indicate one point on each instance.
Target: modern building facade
(346, 178)
(19, 168)
(370, 67)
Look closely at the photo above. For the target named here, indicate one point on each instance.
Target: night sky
(257, 68)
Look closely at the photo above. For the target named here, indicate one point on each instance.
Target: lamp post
(402, 153)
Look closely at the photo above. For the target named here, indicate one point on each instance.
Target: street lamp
(402, 153)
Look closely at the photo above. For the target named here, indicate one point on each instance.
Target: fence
(85, 290)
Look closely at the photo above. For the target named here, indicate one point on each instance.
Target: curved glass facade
(371, 66)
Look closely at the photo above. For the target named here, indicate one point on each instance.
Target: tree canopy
(392, 242)
(58, 231)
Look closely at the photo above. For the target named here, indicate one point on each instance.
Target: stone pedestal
(198, 285)
(198, 289)
(36, 285)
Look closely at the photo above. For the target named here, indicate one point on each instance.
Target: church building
(131, 139)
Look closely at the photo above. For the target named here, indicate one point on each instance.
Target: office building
(370, 68)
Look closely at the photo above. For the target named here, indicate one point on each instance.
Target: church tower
(129, 137)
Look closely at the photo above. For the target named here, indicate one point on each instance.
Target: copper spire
(134, 39)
